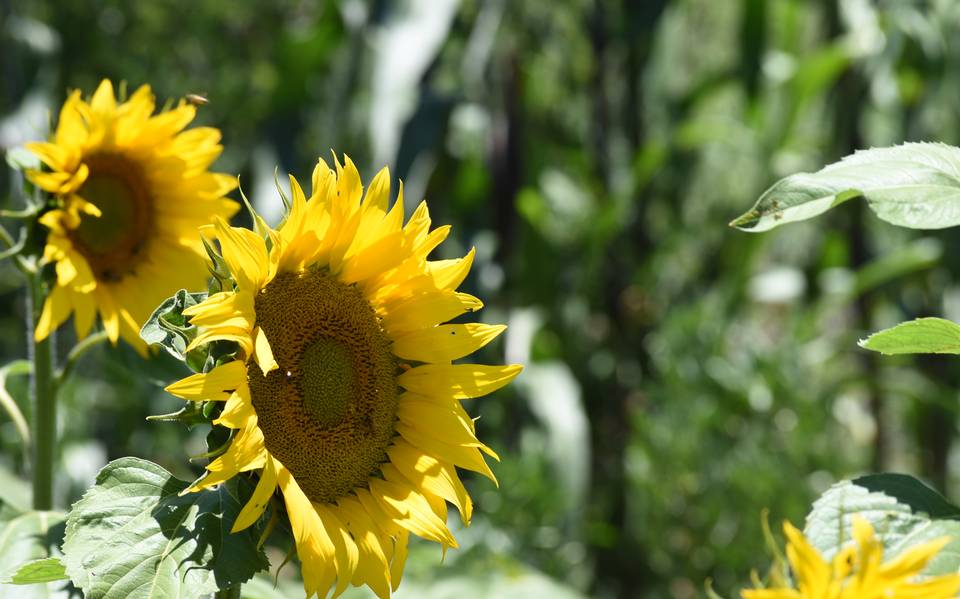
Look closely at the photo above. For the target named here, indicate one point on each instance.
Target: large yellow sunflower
(345, 396)
(132, 188)
(857, 571)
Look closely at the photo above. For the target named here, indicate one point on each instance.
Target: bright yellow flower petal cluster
(345, 396)
(858, 571)
(132, 189)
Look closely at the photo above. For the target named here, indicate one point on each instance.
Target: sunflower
(131, 189)
(856, 571)
(345, 397)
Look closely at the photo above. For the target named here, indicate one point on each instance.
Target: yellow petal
(448, 274)
(346, 554)
(246, 452)
(469, 458)
(380, 256)
(103, 102)
(438, 421)
(84, 312)
(427, 310)
(461, 381)
(57, 157)
(445, 343)
(108, 313)
(245, 254)
(436, 476)
(263, 353)
(410, 510)
(229, 309)
(238, 411)
(314, 545)
(260, 498)
(372, 567)
(56, 309)
(216, 385)
(240, 335)
(810, 569)
(399, 559)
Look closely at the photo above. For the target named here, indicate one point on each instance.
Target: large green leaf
(915, 185)
(896, 523)
(911, 492)
(920, 336)
(133, 535)
(25, 537)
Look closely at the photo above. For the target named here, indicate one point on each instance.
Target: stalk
(229, 593)
(43, 398)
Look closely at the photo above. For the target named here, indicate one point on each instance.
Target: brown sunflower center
(112, 243)
(328, 412)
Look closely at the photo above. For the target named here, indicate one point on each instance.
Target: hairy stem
(42, 395)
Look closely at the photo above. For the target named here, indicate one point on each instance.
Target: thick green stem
(229, 593)
(44, 401)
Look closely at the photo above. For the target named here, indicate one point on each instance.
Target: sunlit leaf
(915, 185)
(921, 336)
(133, 532)
(49, 569)
(898, 525)
(24, 538)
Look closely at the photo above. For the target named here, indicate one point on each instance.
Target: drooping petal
(260, 498)
(461, 381)
(216, 385)
(444, 343)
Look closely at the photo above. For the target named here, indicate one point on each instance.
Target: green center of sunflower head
(328, 380)
(328, 412)
(112, 242)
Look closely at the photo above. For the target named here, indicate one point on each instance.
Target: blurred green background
(681, 376)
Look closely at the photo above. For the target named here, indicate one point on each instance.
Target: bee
(197, 99)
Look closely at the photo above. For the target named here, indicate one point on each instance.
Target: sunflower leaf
(914, 185)
(27, 536)
(133, 534)
(903, 511)
(48, 569)
(920, 336)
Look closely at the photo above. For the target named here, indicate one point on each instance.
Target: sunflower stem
(43, 398)
(229, 593)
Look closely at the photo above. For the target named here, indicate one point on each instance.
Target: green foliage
(27, 536)
(171, 330)
(48, 569)
(910, 491)
(915, 185)
(911, 515)
(921, 336)
(589, 151)
(135, 530)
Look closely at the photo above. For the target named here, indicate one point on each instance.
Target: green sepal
(169, 328)
(219, 272)
(189, 415)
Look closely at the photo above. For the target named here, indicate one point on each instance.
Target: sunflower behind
(345, 397)
(131, 189)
